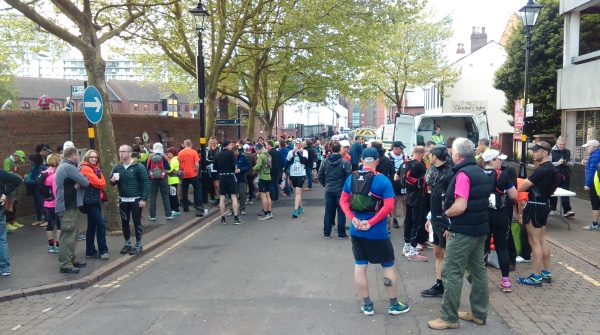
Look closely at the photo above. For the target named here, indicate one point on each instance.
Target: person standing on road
(92, 206)
(397, 156)
(367, 199)
(243, 164)
(440, 179)
(275, 170)
(133, 183)
(296, 160)
(10, 165)
(311, 164)
(264, 180)
(158, 167)
(8, 183)
(333, 174)
(412, 173)
(189, 162)
(355, 151)
(591, 165)
(225, 165)
(173, 180)
(540, 186)
(70, 185)
(503, 192)
(283, 152)
(50, 204)
(562, 160)
(211, 154)
(250, 175)
(465, 207)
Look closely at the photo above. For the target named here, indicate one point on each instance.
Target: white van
(417, 130)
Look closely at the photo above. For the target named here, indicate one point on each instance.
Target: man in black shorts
(370, 239)
(539, 185)
(440, 178)
(211, 153)
(225, 165)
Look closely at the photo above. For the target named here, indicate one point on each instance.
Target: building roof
(34, 87)
(474, 52)
(148, 92)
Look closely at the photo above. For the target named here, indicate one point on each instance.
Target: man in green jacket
(264, 180)
(133, 182)
(10, 207)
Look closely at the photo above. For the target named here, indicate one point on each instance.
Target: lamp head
(529, 13)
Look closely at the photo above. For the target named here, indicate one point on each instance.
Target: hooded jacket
(333, 173)
(590, 167)
(95, 193)
(67, 196)
(243, 164)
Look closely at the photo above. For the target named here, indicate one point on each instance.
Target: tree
(96, 23)
(410, 55)
(544, 60)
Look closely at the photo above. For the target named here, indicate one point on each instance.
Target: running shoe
(56, 249)
(419, 247)
(223, 221)
(398, 308)
(405, 251)
(520, 259)
(7, 273)
(174, 213)
(238, 222)
(546, 276)
(418, 257)
(138, 249)
(126, 249)
(532, 280)
(104, 257)
(300, 210)
(152, 218)
(295, 214)
(10, 227)
(592, 226)
(242, 212)
(170, 217)
(569, 214)
(434, 291)
(18, 225)
(366, 309)
(505, 285)
(50, 248)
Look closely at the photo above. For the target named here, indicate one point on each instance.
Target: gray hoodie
(67, 196)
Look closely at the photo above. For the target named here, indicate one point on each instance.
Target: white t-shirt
(297, 169)
(397, 160)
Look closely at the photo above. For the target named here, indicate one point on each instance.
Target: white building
(312, 114)
(578, 81)
(474, 92)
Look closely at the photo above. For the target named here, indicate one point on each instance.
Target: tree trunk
(95, 66)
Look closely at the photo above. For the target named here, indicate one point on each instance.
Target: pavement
(278, 276)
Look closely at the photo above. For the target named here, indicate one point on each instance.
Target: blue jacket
(590, 167)
(283, 152)
(355, 152)
(243, 164)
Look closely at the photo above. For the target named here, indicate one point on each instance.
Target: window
(146, 108)
(25, 105)
(156, 107)
(136, 107)
(585, 130)
(187, 108)
(362, 114)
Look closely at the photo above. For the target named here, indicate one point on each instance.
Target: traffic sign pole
(90, 125)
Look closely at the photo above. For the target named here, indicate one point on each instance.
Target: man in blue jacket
(243, 164)
(590, 168)
(283, 152)
(356, 151)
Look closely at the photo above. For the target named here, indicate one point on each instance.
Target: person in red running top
(44, 102)
(369, 234)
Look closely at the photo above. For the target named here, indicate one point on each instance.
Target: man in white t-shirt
(297, 159)
(397, 156)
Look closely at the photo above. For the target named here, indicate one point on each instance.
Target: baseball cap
(68, 144)
(439, 150)
(158, 148)
(399, 144)
(21, 154)
(225, 143)
(344, 143)
(491, 154)
(543, 145)
(259, 146)
(246, 146)
(370, 155)
(297, 140)
(593, 143)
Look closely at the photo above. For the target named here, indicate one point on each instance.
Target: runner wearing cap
(503, 188)
(590, 169)
(10, 205)
(345, 148)
(536, 212)
(296, 162)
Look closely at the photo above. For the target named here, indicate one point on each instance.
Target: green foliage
(544, 60)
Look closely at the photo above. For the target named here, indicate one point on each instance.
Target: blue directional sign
(226, 121)
(92, 104)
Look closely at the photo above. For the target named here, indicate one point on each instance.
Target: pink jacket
(50, 182)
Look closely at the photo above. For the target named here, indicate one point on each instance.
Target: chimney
(478, 38)
(461, 49)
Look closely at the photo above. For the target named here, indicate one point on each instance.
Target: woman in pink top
(49, 203)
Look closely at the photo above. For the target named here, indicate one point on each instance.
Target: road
(264, 277)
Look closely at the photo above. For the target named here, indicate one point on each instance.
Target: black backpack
(500, 201)
(406, 180)
(45, 190)
(361, 198)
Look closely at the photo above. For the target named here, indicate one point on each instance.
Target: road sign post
(92, 107)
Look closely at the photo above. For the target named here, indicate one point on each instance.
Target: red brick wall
(24, 129)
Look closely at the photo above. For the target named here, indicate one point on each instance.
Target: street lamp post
(529, 14)
(200, 14)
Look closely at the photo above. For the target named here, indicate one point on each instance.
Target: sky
(466, 14)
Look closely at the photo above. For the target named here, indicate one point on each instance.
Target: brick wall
(24, 129)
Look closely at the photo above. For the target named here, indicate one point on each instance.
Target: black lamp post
(200, 14)
(529, 14)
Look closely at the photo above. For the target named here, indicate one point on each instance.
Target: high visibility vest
(438, 139)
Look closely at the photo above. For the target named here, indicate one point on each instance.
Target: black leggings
(53, 219)
(411, 224)
(594, 199)
(133, 209)
(499, 228)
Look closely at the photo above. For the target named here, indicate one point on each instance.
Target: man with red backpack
(411, 175)
(158, 165)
